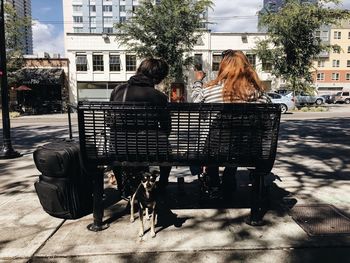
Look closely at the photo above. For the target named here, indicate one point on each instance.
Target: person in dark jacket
(141, 88)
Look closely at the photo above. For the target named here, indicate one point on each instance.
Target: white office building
(98, 63)
(24, 10)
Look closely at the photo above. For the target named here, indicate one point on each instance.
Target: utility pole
(7, 152)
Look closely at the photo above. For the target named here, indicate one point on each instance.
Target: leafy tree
(292, 45)
(167, 30)
(14, 27)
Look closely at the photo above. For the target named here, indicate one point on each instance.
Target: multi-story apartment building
(98, 63)
(24, 10)
(99, 16)
(332, 69)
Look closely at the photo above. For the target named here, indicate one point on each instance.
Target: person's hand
(199, 75)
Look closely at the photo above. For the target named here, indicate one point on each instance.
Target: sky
(226, 16)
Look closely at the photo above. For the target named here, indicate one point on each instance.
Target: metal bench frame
(129, 134)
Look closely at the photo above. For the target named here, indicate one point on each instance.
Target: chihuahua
(146, 196)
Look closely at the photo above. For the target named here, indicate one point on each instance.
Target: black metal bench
(240, 134)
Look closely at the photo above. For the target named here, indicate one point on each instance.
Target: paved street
(312, 164)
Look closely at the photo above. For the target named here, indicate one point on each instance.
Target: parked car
(284, 92)
(302, 98)
(342, 97)
(330, 99)
(287, 102)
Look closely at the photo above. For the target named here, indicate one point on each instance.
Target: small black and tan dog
(146, 196)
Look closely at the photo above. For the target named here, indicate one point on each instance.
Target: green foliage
(14, 27)
(312, 109)
(292, 44)
(168, 30)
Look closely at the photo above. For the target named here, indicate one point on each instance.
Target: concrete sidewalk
(313, 164)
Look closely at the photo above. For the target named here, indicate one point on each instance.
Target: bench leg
(259, 199)
(98, 187)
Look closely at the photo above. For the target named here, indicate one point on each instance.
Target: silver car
(287, 102)
(305, 99)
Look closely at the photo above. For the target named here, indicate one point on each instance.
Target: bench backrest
(239, 134)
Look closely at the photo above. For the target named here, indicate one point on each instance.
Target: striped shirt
(213, 94)
(207, 95)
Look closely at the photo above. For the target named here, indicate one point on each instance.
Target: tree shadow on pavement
(18, 175)
(315, 156)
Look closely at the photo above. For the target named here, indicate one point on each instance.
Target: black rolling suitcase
(63, 188)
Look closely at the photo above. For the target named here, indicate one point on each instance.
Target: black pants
(213, 172)
(163, 179)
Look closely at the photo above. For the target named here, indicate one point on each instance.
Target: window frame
(335, 76)
(216, 60)
(81, 67)
(78, 19)
(78, 7)
(97, 63)
(92, 8)
(320, 76)
(108, 7)
(320, 63)
(116, 66)
(337, 35)
(130, 58)
(251, 58)
(335, 63)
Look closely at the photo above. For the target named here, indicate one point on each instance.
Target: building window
(122, 19)
(122, 8)
(348, 63)
(108, 20)
(348, 35)
(78, 19)
(266, 65)
(324, 35)
(108, 30)
(97, 62)
(78, 30)
(320, 76)
(251, 58)
(216, 62)
(335, 76)
(198, 61)
(93, 30)
(107, 8)
(114, 63)
(336, 63)
(348, 49)
(337, 35)
(77, 8)
(320, 63)
(347, 76)
(92, 8)
(92, 19)
(81, 62)
(130, 64)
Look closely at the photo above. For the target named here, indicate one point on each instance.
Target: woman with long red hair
(236, 82)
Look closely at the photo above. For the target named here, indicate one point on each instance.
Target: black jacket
(141, 89)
